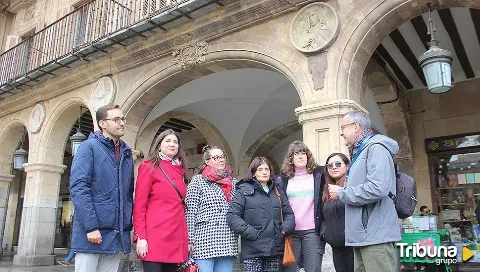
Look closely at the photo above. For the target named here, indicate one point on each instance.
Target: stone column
(321, 126)
(5, 181)
(39, 215)
(13, 197)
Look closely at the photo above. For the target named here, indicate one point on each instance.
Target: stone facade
(245, 34)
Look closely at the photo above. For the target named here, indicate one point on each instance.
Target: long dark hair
(329, 179)
(254, 166)
(154, 156)
(288, 168)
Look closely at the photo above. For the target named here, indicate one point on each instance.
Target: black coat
(333, 231)
(282, 182)
(255, 215)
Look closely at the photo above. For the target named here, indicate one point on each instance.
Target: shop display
(457, 183)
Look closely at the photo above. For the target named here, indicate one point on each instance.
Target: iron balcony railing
(92, 22)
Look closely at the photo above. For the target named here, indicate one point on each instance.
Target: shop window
(455, 168)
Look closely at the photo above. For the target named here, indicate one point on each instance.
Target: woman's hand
(142, 247)
(190, 247)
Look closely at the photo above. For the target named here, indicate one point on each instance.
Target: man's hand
(142, 247)
(333, 191)
(94, 237)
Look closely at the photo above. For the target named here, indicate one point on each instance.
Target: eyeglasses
(337, 165)
(344, 126)
(217, 158)
(117, 120)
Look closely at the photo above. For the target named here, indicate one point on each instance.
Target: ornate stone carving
(29, 13)
(317, 64)
(37, 117)
(314, 27)
(191, 54)
(103, 93)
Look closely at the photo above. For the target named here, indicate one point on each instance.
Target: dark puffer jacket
(282, 182)
(255, 215)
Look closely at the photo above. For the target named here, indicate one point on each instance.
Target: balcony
(90, 32)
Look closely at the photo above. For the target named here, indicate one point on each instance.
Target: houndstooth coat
(206, 219)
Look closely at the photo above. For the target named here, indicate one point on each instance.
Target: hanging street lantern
(78, 138)
(436, 63)
(19, 158)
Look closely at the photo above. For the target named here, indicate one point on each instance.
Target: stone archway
(209, 131)
(365, 32)
(10, 136)
(39, 213)
(148, 89)
(265, 143)
(54, 135)
(392, 105)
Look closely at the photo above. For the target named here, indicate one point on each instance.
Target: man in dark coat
(101, 188)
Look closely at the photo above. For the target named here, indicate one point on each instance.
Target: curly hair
(288, 168)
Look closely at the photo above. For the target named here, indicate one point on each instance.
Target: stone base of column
(33, 260)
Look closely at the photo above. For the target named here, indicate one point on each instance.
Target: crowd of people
(175, 220)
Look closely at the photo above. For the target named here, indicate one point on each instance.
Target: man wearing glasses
(424, 211)
(372, 227)
(101, 187)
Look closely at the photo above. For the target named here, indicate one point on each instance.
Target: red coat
(158, 213)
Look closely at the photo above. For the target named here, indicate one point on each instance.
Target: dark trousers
(307, 247)
(343, 259)
(159, 267)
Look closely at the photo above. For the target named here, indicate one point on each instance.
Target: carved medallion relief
(314, 28)
(103, 93)
(37, 117)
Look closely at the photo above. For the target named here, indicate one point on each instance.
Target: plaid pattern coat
(206, 219)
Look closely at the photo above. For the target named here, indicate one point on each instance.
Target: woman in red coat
(158, 213)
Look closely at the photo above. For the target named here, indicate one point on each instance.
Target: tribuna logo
(441, 254)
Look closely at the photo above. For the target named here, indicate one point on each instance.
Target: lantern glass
(438, 76)
(77, 139)
(75, 145)
(19, 158)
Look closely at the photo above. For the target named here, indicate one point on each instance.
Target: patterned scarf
(359, 140)
(221, 177)
(167, 158)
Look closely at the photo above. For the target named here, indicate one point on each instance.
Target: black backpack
(406, 198)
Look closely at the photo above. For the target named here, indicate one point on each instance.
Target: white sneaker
(301, 270)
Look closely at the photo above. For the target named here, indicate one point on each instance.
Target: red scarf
(221, 177)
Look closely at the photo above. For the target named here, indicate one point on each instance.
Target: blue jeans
(70, 256)
(218, 264)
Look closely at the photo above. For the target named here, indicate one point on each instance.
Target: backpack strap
(395, 165)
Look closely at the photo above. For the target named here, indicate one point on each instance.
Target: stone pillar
(321, 126)
(39, 215)
(13, 197)
(5, 181)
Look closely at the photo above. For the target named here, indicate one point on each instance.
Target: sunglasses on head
(337, 165)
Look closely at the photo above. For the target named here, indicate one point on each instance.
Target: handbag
(288, 257)
(189, 266)
(176, 189)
